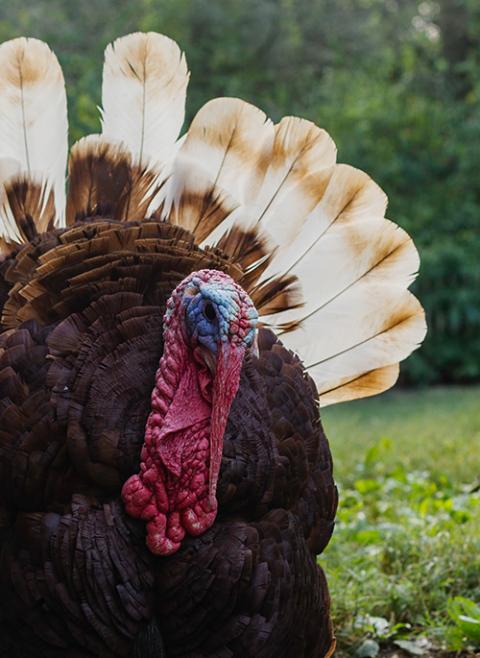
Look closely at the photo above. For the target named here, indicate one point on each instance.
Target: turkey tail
(275, 172)
(33, 138)
(358, 319)
(145, 81)
(324, 233)
(104, 182)
(325, 268)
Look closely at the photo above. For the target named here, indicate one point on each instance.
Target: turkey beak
(225, 387)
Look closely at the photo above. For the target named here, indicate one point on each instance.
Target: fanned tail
(336, 272)
(325, 268)
(33, 138)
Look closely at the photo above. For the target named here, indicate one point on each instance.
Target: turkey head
(209, 324)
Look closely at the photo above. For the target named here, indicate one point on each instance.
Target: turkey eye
(209, 312)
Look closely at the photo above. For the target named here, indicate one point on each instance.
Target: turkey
(167, 329)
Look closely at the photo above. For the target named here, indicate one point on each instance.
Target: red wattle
(171, 492)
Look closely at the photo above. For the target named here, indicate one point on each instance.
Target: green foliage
(466, 615)
(396, 83)
(406, 546)
(410, 542)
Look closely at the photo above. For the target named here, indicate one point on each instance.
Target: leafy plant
(466, 616)
(406, 543)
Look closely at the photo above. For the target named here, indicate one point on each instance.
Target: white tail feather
(345, 195)
(33, 116)
(355, 323)
(363, 386)
(9, 168)
(145, 81)
(226, 138)
(296, 167)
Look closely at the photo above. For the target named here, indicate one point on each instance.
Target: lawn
(407, 541)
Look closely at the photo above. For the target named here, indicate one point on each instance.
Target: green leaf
(411, 646)
(466, 615)
(368, 649)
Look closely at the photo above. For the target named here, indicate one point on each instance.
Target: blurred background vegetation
(395, 82)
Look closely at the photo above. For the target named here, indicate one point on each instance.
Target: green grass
(434, 429)
(408, 533)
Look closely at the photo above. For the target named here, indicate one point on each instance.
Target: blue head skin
(217, 311)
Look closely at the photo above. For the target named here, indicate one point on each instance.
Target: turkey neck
(173, 363)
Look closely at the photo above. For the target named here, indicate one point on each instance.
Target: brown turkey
(165, 482)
